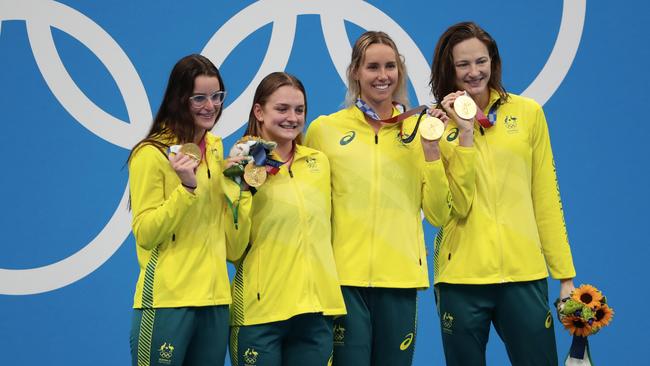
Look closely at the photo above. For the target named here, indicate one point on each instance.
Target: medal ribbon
(490, 120)
(273, 166)
(368, 111)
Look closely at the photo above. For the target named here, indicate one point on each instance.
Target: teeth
(381, 87)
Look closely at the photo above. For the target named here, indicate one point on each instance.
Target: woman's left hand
(566, 287)
(230, 161)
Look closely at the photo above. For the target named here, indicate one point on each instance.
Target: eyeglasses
(199, 100)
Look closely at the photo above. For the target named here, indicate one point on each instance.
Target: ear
(259, 114)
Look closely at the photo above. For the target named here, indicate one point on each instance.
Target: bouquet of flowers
(253, 168)
(583, 313)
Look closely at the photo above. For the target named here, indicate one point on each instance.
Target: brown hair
(443, 72)
(268, 86)
(174, 116)
(358, 56)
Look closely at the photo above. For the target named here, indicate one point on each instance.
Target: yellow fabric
(379, 188)
(509, 226)
(191, 233)
(289, 268)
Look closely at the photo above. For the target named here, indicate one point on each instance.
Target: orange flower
(577, 326)
(603, 315)
(588, 295)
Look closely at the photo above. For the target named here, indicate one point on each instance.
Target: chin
(477, 90)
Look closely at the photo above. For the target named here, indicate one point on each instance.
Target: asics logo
(347, 138)
(41, 16)
(406, 343)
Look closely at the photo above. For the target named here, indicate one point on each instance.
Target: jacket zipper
(494, 192)
(259, 271)
(373, 197)
(303, 245)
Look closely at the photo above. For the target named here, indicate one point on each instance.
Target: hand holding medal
(433, 125)
(249, 160)
(461, 108)
(184, 159)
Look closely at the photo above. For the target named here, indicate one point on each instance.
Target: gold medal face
(431, 128)
(254, 175)
(465, 107)
(192, 150)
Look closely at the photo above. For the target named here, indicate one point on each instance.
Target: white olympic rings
(40, 15)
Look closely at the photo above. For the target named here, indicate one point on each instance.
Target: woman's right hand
(185, 167)
(447, 104)
(465, 126)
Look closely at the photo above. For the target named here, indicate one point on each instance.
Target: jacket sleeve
(154, 217)
(237, 234)
(460, 167)
(436, 199)
(547, 203)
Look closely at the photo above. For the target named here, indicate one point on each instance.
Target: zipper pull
(480, 128)
(290, 173)
(376, 139)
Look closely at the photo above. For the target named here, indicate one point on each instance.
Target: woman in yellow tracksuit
(380, 186)
(183, 230)
(491, 258)
(286, 289)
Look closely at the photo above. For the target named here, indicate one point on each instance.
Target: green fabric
(519, 312)
(379, 329)
(303, 340)
(191, 336)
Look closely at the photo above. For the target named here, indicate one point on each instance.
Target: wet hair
(443, 72)
(265, 89)
(358, 57)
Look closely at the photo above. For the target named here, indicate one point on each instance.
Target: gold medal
(254, 175)
(465, 107)
(192, 150)
(431, 128)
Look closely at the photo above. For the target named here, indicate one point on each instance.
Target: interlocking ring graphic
(40, 15)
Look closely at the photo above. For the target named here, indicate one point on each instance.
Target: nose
(474, 70)
(382, 73)
(292, 116)
(209, 104)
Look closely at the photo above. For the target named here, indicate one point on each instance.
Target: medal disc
(254, 175)
(431, 128)
(192, 150)
(465, 107)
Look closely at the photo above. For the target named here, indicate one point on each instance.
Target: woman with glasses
(492, 256)
(182, 226)
(286, 289)
(382, 179)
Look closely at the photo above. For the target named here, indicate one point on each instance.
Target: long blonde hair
(358, 55)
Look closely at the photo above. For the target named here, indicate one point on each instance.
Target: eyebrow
(288, 105)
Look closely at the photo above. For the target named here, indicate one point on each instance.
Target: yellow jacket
(289, 268)
(510, 225)
(379, 188)
(183, 239)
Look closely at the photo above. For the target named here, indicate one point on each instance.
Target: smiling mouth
(289, 126)
(207, 115)
(474, 82)
(381, 86)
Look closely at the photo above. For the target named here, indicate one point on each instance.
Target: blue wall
(79, 81)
